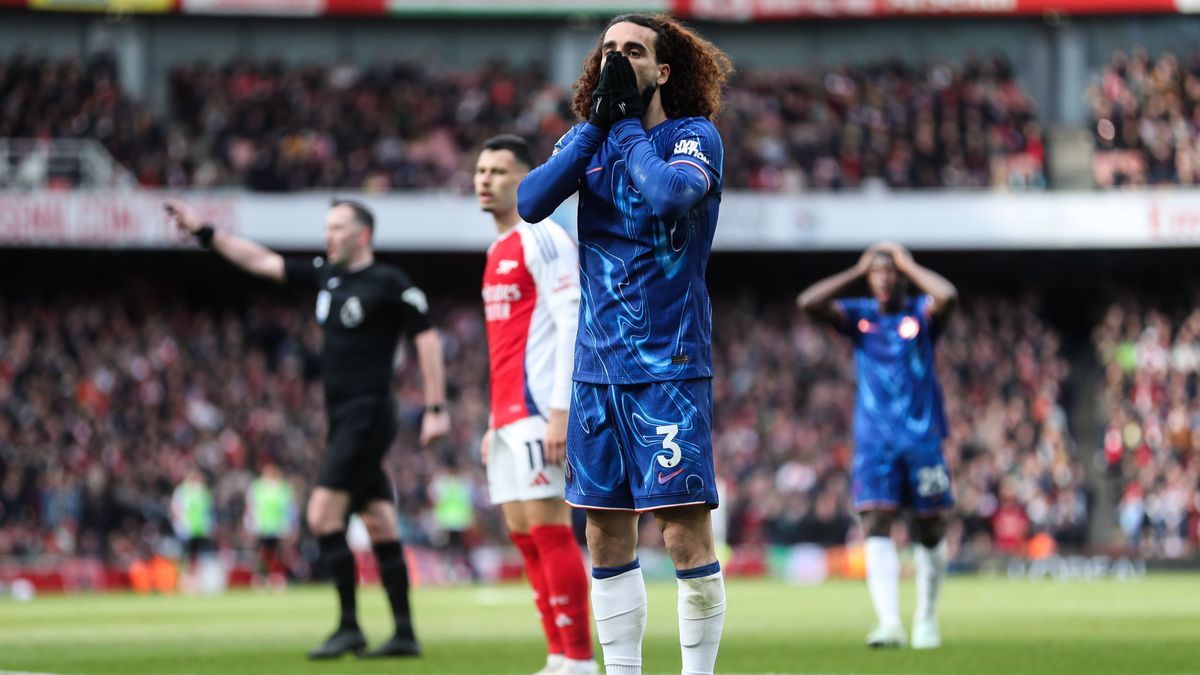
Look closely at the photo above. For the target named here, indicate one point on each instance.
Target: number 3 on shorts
(669, 444)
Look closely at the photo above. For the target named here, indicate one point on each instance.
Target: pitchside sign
(427, 221)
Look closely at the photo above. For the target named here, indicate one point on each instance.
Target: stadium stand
(267, 126)
(892, 124)
(1151, 361)
(112, 396)
(1145, 119)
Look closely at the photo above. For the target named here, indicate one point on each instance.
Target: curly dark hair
(698, 69)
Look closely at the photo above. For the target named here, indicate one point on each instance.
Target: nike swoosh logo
(664, 478)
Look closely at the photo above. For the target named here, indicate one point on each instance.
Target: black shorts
(361, 431)
(268, 543)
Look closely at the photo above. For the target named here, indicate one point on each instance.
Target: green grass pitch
(988, 626)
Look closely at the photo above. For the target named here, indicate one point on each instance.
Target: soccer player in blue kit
(647, 167)
(899, 424)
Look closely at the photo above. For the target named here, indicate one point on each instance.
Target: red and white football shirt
(531, 304)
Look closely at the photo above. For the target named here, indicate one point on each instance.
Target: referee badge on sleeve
(324, 298)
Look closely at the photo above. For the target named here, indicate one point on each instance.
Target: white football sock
(930, 570)
(883, 579)
(619, 605)
(701, 618)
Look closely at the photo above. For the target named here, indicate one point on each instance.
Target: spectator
(1146, 120)
(267, 126)
(1151, 363)
(127, 391)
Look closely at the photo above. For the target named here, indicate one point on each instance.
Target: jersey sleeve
(547, 186)
(554, 266)
(565, 140)
(853, 310)
(411, 303)
(923, 308)
(669, 187)
(303, 272)
(697, 144)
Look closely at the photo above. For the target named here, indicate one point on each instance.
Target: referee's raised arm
(248, 255)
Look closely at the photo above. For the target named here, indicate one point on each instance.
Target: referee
(363, 307)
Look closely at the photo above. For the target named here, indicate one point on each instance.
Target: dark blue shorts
(640, 447)
(891, 477)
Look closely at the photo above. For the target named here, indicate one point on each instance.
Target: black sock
(393, 572)
(339, 562)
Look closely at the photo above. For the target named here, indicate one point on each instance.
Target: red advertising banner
(100, 219)
(359, 7)
(775, 10)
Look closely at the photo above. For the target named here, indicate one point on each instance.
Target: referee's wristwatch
(435, 408)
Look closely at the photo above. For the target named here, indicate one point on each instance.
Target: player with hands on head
(899, 423)
(647, 164)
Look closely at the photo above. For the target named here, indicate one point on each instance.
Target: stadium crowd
(45, 99)
(1152, 366)
(108, 403)
(888, 124)
(1146, 120)
(268, 126)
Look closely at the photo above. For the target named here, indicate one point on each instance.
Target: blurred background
(1041, 154)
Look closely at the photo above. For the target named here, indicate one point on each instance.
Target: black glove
(626, 100)
(601, 111)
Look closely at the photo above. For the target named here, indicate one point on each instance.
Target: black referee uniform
(363, 314)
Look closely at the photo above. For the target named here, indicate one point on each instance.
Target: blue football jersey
(645, 313)
(899, 400)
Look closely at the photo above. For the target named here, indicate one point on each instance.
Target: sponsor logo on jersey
(690, 147)
(498, 299)
(501, 292)
(352, 312)
(497, 311)
(507, 266)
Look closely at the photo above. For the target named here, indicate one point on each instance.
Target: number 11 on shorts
(540, 453)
